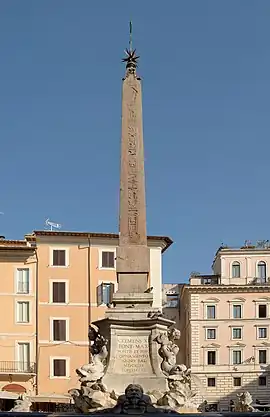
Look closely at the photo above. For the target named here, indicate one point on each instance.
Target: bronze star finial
(131, 57)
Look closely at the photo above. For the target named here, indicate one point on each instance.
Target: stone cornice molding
(262, 300)
(212, 300)
(261, 345)
(211, 345)
(237, 300)
(237, 345)
(228, 289)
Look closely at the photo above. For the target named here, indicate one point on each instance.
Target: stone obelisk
(132, 255)
(132, 324)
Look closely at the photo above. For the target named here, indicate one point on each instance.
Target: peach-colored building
(54, 284)
(225, 325)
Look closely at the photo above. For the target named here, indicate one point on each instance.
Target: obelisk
(132, 255)
(131, 324)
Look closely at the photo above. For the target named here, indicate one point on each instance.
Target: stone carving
(134, 401)
(91, 398)
(179, 394)
(154, 314)
(93, 394)
(94, 370)
(22, 404)
(133, 202)
(168, 351)
(243, 402)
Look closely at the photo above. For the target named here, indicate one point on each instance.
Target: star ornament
(131, 57)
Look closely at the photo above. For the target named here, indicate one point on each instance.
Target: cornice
(228, 289)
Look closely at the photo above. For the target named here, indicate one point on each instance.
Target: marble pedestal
(133, 352)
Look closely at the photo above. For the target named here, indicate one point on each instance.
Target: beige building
(225, 325)
(54, 284)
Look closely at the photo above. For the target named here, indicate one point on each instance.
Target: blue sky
(206, 86)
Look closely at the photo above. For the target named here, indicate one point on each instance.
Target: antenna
(130, 35)
(52, 225)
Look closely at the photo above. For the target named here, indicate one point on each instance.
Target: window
(237, 311)
(211, 382)
(261, 271)
(23, 312)
(104, 293)
(262, 332)
(108, 260)
(211, 334)
(262, 311)
(237, 333)
(211, 357)
(236, 270)
(237, 381)
(59, 257)
(23, 281)
(59, 330)
(211, 312)
(262, 356)
(236, 357)
(59, 292)
(171, 300)
(59, 368)
(262, 381)
(24, 357)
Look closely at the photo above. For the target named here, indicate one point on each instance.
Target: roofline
(233, 288)
(240, 250)
(168, 241)
(22, 248)
(12, 242)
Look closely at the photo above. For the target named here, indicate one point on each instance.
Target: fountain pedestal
(133, 351)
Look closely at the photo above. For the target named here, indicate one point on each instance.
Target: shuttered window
(59, 257)
(104, 293)
(108, 259)
(59, 330)
(59, 292)
(59, 367)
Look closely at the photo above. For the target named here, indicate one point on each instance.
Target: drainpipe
(89, 286)
(37, 323)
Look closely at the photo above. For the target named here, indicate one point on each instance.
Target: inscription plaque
(132, 355)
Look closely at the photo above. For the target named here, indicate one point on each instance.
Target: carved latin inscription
(132, 355)
(133, 203)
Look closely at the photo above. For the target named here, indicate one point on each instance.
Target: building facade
(54, 285)
(225, 326)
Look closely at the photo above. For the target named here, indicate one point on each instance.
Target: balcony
(210, 279)
(260, 281)
(16, 367)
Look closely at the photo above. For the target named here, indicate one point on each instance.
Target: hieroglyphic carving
(133, 203)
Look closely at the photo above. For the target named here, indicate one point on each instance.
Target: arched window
(236, 269)
(261, 271)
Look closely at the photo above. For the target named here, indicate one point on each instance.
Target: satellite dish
(53, 225)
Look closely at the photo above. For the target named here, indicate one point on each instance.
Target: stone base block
(132, 283)
(120, 382)
(133, 259)
(140, 300)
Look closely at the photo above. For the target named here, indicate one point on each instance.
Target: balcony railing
(260, 281)
(210, 279)
(17, 367)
